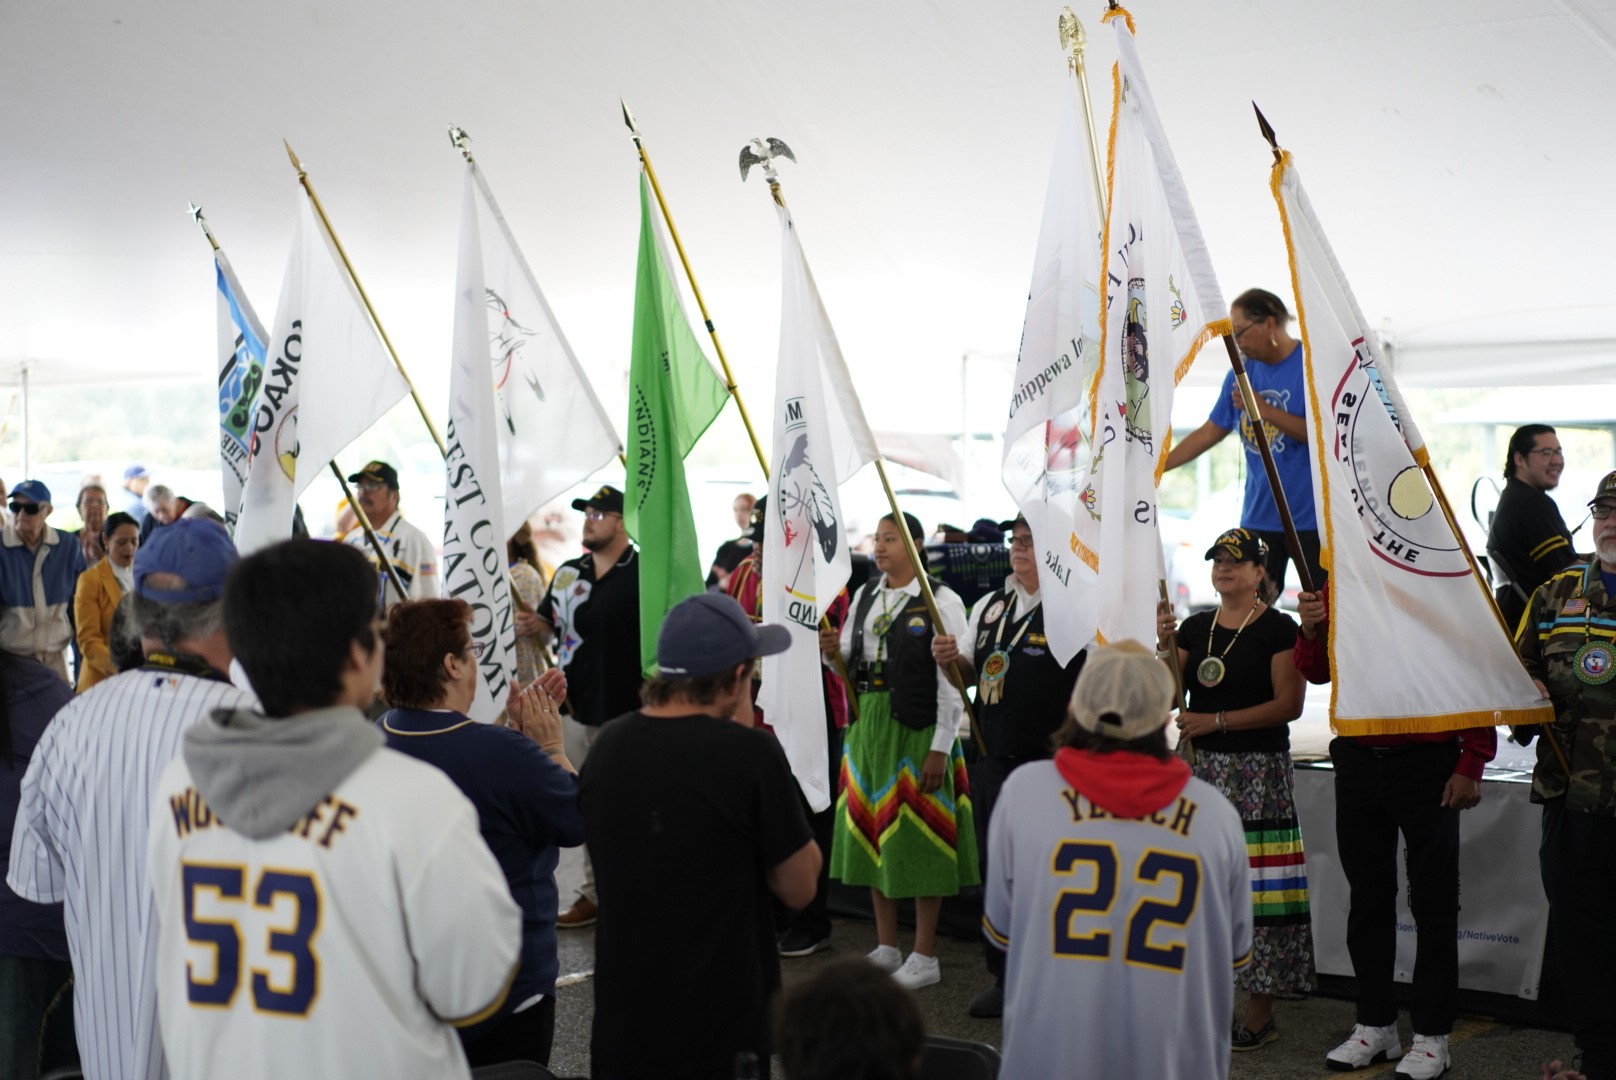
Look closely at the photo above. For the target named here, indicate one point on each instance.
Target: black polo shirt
(597, 625)
(1531, 536)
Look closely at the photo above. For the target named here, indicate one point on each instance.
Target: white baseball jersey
(1123, 934)
(413, 554)
(345, 946)
(81, 837)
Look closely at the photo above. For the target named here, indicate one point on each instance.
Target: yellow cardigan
(94, 601)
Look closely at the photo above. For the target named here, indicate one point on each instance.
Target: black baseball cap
(758, 523)
(377, 470)
(709, 633)
(607, 498)
(1009, 526)
(1606, 489)
(1244, 545)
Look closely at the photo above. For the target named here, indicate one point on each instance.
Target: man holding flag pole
(1415, 726)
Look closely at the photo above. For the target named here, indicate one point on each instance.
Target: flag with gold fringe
(1399, 573)
(1159, 305)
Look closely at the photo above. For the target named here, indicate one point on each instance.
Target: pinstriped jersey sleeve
(36, 872)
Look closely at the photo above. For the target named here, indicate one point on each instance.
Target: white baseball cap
(1123, 693)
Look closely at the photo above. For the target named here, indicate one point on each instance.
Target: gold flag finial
(1073, 37)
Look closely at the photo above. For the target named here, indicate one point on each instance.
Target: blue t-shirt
(1281, 385)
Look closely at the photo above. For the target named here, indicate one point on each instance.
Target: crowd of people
(242, 792)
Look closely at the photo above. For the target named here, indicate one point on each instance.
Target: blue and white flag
(241, 373)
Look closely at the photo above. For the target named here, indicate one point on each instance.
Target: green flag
(674, 394)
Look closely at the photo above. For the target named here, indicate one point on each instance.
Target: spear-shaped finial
(460, 141)
(628, 118)
(202, 223)
(296, 164)
(1267, 131)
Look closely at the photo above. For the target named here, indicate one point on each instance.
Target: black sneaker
(989, 1004)
(796, 942)
(1244, 1038)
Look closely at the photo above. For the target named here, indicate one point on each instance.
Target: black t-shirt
(597, 625)
(730, 555)
(1248, 680)
(1531, 537)
(683, 817)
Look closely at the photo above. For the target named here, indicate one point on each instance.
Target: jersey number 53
(292, 900)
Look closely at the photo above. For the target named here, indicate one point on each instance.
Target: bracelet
(1163, 654)
(557, 752)
(1223, 723)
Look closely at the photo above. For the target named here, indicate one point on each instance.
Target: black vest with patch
(911, 673)
(1037, 690)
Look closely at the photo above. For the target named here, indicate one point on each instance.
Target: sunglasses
(25, 508)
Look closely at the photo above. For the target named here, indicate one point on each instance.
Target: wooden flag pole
(370, 534)
(381, 331)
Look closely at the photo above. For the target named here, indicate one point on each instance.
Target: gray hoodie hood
(261, 775)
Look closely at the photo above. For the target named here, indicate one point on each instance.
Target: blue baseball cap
(135, 472)
(32, 490)
(194, 549)
(709, 633)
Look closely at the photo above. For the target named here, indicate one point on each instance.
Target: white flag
(1398, 572)
(241, 372)
(1160, 304)
(552, 431)
(1049, 465)
(820, 440)
(326, 380)
(474, 530)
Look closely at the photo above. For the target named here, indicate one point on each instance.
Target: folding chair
(958, 1059)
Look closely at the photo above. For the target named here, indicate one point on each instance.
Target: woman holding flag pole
(904, 823)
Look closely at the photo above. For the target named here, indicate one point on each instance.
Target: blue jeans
(36, 1016)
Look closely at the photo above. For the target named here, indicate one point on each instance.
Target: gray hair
(171, 624)
(203, 512)
(157, 495)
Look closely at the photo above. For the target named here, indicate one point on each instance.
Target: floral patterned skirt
(1262, 787)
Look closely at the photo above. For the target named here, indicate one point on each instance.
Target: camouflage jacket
(1569, 611)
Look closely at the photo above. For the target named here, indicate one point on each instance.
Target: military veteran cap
(378, 471)
(607, 498)
(1244, 545)
(1606, 489)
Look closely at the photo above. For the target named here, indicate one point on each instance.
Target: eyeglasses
(26, 508)
(373, 485)
(1600, 511)
(476, 649)
(1548, 453)
(1240, 333)
(600, 515)
(1021, 541)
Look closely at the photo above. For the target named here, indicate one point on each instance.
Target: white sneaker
(918, 971)
(887, 958)
(1365, 1046)
(1426, 1059)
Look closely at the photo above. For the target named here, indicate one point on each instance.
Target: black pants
(1279, 558)
(1578, 861)
(1377, 795)
(523, 1036)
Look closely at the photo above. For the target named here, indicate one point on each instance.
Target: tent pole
(27, 466)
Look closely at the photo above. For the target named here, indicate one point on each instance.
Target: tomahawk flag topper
(674, 395)
(326, 380)
(1398, 571)
(552, 431)
(474, 522)
(1160, 304)
(1051, 465)
(820, 440)
(241, 373)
